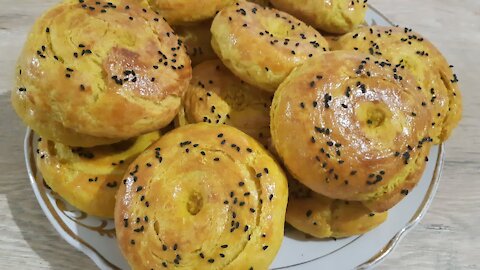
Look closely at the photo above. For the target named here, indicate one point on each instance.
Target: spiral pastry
(406, 49)
(262, 45)
(322, 217)
(88, 178)
(352, 127)
(215, 95)
(332, 16)
(203, 197)
(118, 74)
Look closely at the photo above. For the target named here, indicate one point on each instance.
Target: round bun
(262, 45)
(332, 16)
(128, 84)
(196, 39)
(188, 11)
(322, 217)
(404, 48)
(88, 178)
(352, 127)
(212, 199)
(215, 95)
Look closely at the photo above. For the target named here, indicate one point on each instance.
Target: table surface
(447, 238)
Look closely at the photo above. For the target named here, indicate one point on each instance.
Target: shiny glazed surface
(332, 16)
(203, 197)
(410, 50)
(262, 45)
(128, 84)
(361, 128)
(88, 178)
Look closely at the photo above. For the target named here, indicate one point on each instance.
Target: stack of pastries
(272, 122)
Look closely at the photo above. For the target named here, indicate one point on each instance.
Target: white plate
(96, 237)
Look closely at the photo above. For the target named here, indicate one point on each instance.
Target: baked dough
(263, 45)
(404, 48)
(188, 11)
(128, 84)
(332, 16)
(322, 217)
(213, 198)
(88, 178)
(216, 96)
(196, 39)
(352, 127)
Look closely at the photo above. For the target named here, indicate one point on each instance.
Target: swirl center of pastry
(194, 203)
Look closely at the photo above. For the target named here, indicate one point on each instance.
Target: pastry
(118, 74)
(352, 127)
(215, 95)
(262, 45)
(188, 11)
(322, 217)
(88, 178)
(203, 197)
(196, 39)
(404, 48)
(332, 16)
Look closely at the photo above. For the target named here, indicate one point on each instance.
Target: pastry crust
(407, 49)
(196, 39)
(111, 90)
(216, 96)
(88, 178)
(213, 198)
(332, 16)
(322, 217)
(263, 45)
(352, 127)
(188, 11)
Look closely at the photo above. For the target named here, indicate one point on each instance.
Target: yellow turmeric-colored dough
(262, 45)
(88, 178)
(332, 16)
(216, 96)
(92, 74)
(203, 204)
(188, 11)
(351, 127)
(322, 217)
(408, 50)
(196, 39)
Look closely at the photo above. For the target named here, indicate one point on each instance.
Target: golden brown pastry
(263, 3)
(262, 45)
(322, 217)
(404, 48)
(352, 127)
(88, 178)
(215, 95)
(119, 73)
(196, 39)
(333, 16)
(203, 197)
(188, 11)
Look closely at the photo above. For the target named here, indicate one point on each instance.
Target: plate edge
(69, 236)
